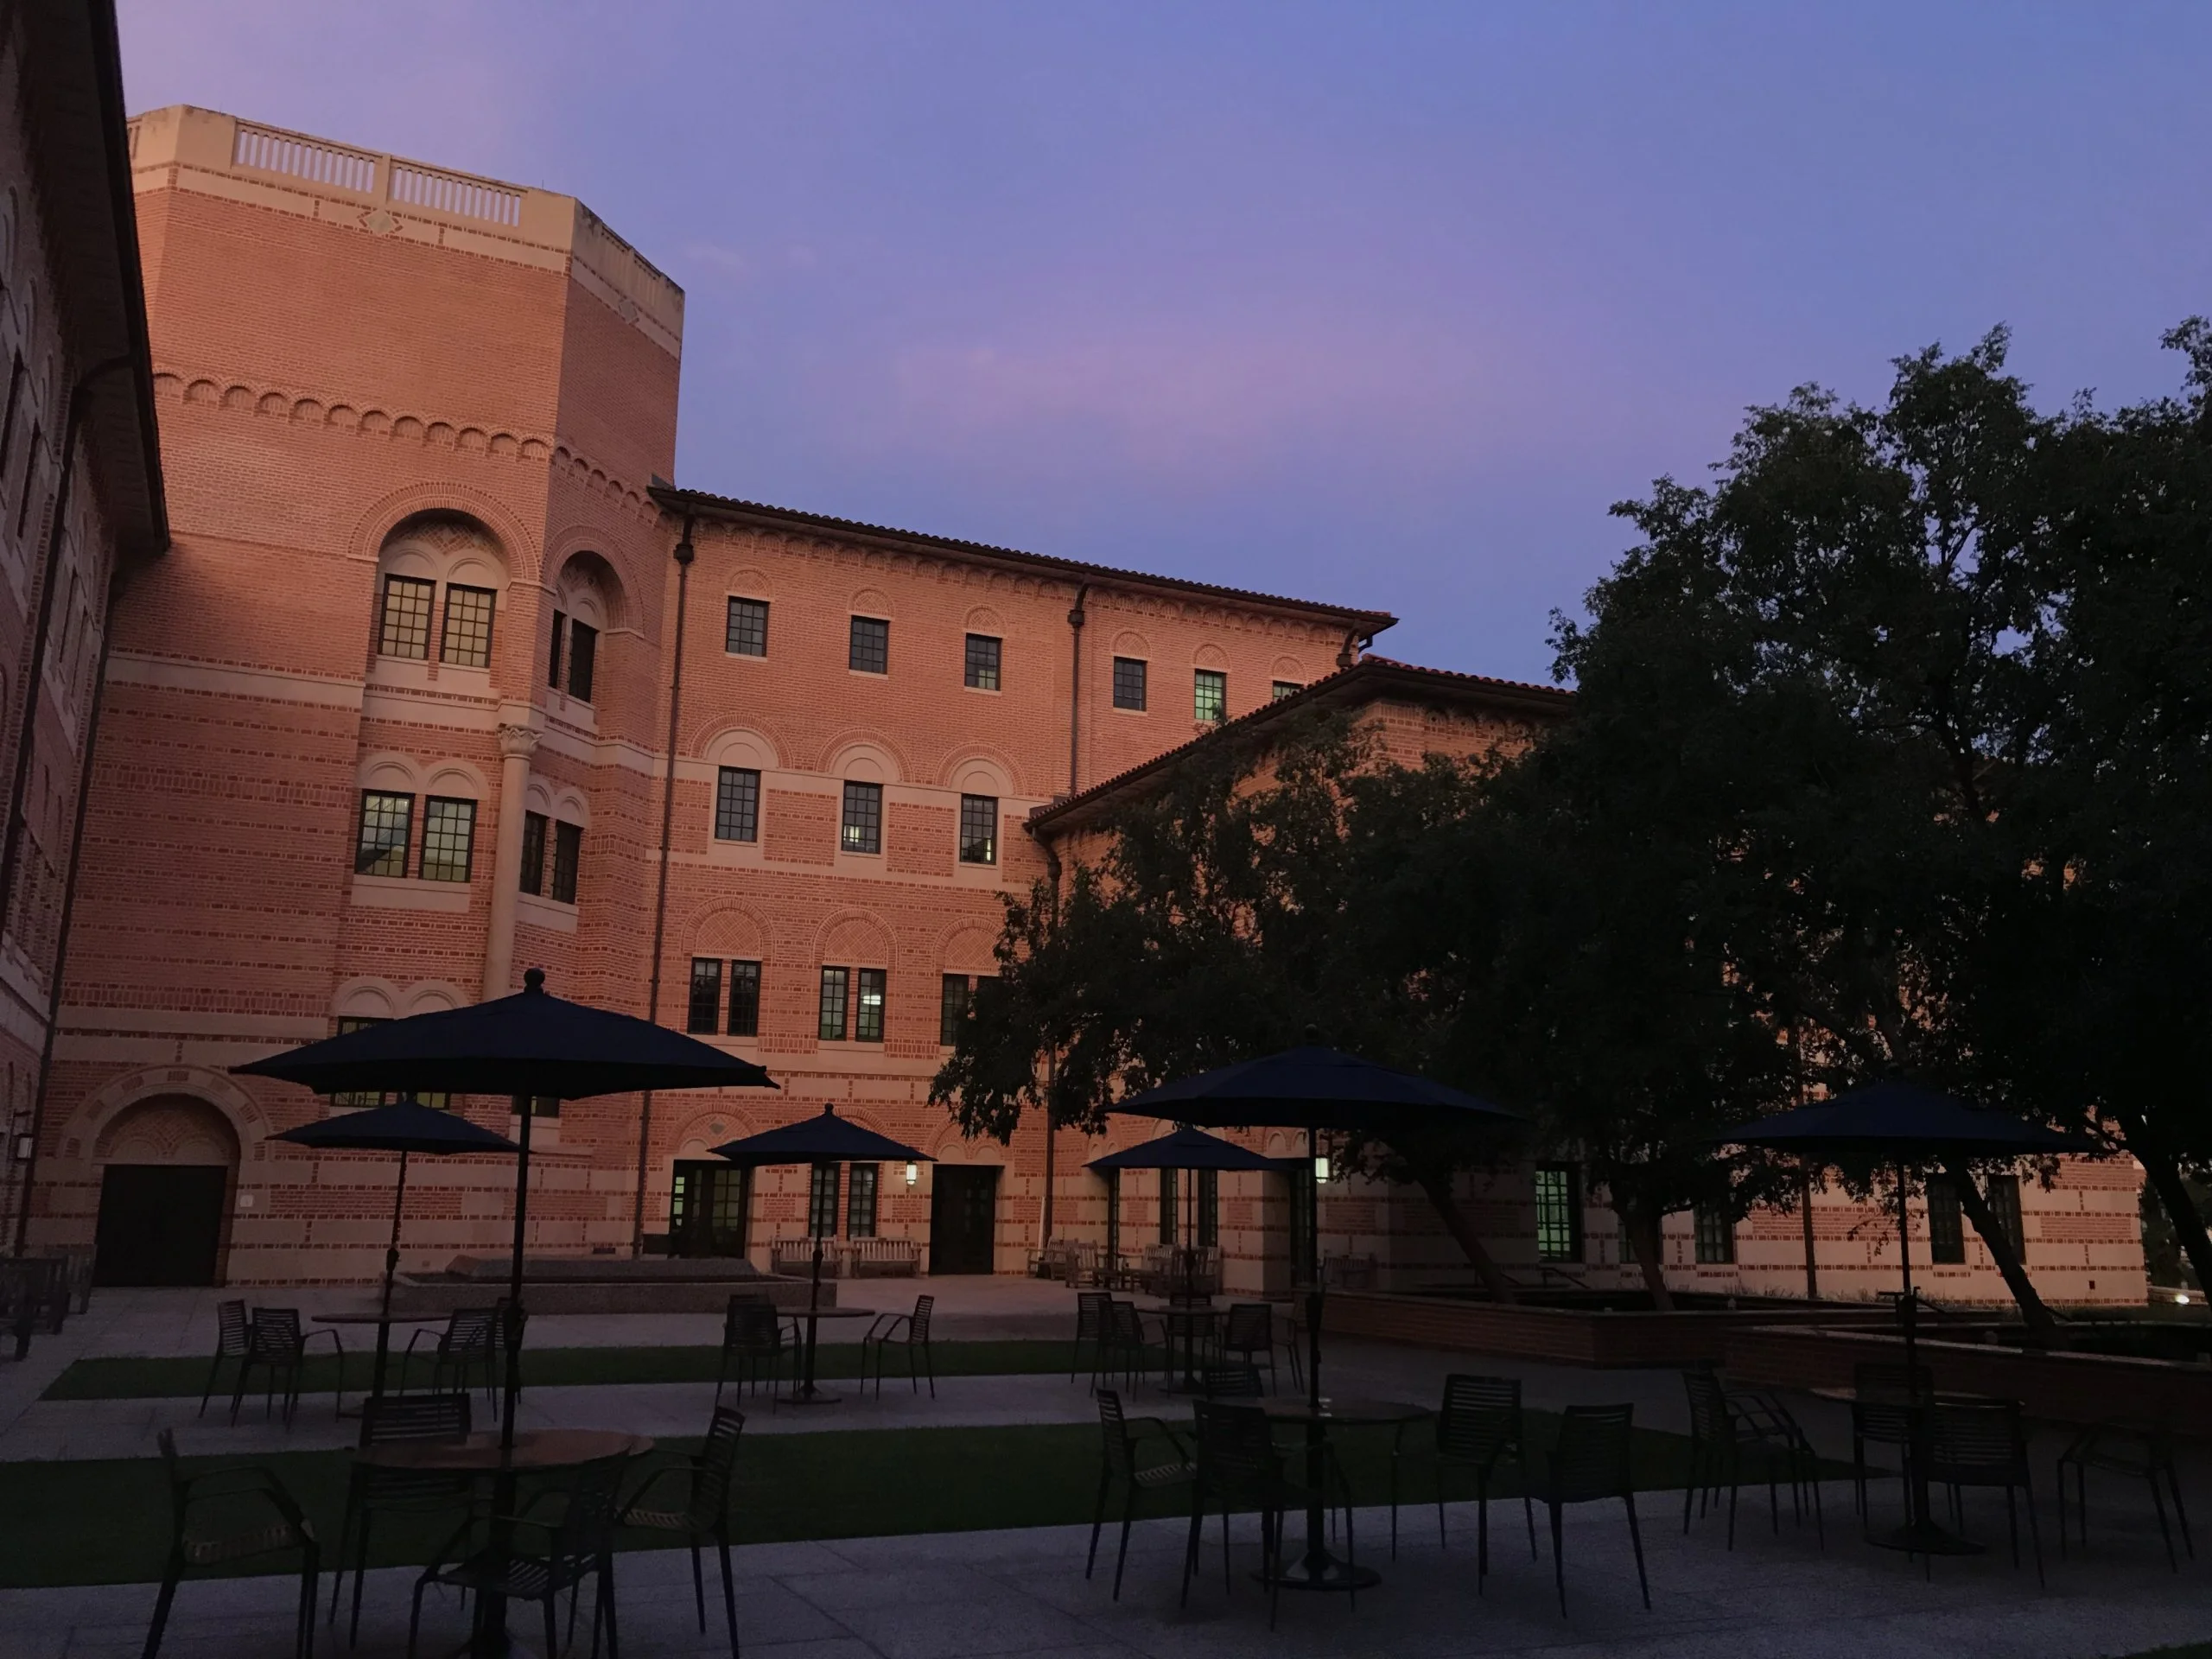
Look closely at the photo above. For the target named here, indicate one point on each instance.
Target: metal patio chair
(371, 1491)
(1985, 1445)
(470, 1340)
(1123, 1443)
(1725, 1428)
(1592, 1461)
(701, 1515)
(907, 1331)
(1476, 1427)
(226, 1516)
(2135, 1453)
(233, 1338)
(753, 1338)
(1234, 1382)
(1249, 1334)
(1090, 1317)
(276, 1347)
(1240, 1468)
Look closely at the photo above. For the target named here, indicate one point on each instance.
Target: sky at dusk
(1382, 304)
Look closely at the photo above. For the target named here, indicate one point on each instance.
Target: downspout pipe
(684, 555)
(1075, 620)
(11, 851)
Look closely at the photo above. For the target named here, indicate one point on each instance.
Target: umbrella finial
(1313, 1035)
(533, 981)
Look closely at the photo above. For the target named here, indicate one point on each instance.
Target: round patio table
(385, 1321)
(1921, 1533)
(807, 1394)
(1317, 1569)
(1189, 1319)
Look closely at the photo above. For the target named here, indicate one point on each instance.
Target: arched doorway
(168, 1165)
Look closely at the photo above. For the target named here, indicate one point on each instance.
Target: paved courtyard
(947, 1595)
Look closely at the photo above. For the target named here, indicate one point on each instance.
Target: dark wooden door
(707, 1209)
(159, 1223)
(963, 1217)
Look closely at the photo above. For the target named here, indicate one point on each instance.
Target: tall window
(1168, 1213)
(870, 650)
(957, 996)
(386, 820)
(1209, 695)
(404, 628)
(862, 826)
(747, 634)
(568, 853)
(556, 659)
(1209, 1208)
(704, 1016)
(1716, 1234)
(867, 1017)
(1947, 1232)
(449, 838)
(1129, 683)
(1558, 1213)
(349, 1099)
(1286, 689)
(822, 1203)
(467, 641)
(836, 994)
(532, 879)
(982, 670)
(860, 1201)
(745, 999)
(737, 804)
(583, 658)
(979, 829)
(2003, 1195)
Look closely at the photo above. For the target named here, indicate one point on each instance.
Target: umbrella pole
(490, 1635)
(1313, 1277)
(391, 1267)
(813, 1322)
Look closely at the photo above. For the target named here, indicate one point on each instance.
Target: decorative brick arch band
(81, 1134)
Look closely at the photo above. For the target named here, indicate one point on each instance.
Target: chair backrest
(1977, 1435)
(235, 1329)
(1122, 1321)
(1251, 1328)
(1114, 1432)
(1480, 1416)
(276, 1332)
(1090, 1314)
(1710, 1419)
(1592, 1459)
(470, 1331)
(918, 1323)
(1234, 1382)
(759, 1326)
(415, 1417)
(1873, 1377)
(1236, 1449)
(586, 1527)
(715, 1468)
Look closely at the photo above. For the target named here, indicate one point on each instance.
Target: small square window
(1286, 689)
(870, 651)
(1129, 683)
(737, 804)
(583, 660)
(745, 999)
(404, 628)
(449, 839)
(568, 853)
(1209, 695)
(956, 996)
(381, 846)
(836, 986)
(979, 829)
(466, 642)
(533, 853)
(705, 1012)
(1716, 1236)
(982, 662)
(867, 1015)
(862, 827)
(747, 634)
(860, 1201)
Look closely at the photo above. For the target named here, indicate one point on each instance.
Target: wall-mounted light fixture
(913, 1174)
(1321, 1168)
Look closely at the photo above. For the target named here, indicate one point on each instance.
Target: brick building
(439, 679)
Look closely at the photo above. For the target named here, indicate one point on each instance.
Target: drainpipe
(68, 905)
(35, 673)
(684, 554)
(1075, 620)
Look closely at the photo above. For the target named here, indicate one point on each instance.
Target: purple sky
(1377, 304)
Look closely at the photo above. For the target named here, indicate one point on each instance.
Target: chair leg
(698, 1584)
(205, 1393)
(1636, 1543)
(1190, 1546)
(1394, 1508)
(1482, 1528)
(162, 1604)
(1122, 1555)
(338, 1576)
(2173, 1483)
(414, 1618)
(1690, 1486)
(552, 1624)
(929, 1366)
(613, 1625)
(1098, 1519)
(1558, 1561)
(310, 1571)
(360, 1570)
(729, 1596)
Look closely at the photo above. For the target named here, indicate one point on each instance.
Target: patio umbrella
(1905, 1126)
(406, 1126)
(1186, 1148)
(825, 1139)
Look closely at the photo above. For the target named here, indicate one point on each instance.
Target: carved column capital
(519, 742)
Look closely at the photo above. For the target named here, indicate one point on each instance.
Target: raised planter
(2063, 1388)
(601, 1285)
(1562, 1336)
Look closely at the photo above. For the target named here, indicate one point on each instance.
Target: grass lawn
(107, 1522)
(148, 1379)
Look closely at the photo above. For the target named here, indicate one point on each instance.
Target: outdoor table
(1921, 1533)
(382, 1320)
(1317, 1569)
(1188, 1318)
(806, 1394)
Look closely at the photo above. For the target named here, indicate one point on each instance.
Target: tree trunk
(1651, 1257)
(1438, 1186)
(2165, 1176)
(2042, 1329)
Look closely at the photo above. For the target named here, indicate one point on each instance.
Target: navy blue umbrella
(406, 1126)
(1187, 1149)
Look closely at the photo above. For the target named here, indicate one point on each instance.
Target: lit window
(979, 829)
(982, 662)
(822, 1203)
(567, 850)
(860, 1201)
(868, 1018)
(381, 846)
(745, 999)
(583, 657)
(704, 1014)
(404, 628)
(1716, 1234)
(836, 984)
(449, 839)
(870, 651)
(957, 996)
(533, 881)
(862, 828)
(466, 642)
(1286, 689)
(1209, 695)
(1558, 1213)
(737, 804)
(1129, 683)
(747, 633)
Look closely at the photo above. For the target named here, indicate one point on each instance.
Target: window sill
(548, 914)
(407, 892)
(1137, 713)
(417, 674)
(567, 709)
(985, 690)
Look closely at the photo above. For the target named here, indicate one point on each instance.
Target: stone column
(517, 745)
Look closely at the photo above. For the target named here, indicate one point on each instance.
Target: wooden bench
(881, 1258)
(794, 1257)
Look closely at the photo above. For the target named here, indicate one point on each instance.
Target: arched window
(580, 609)
(439, 579)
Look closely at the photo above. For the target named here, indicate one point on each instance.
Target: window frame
(1947, 1223)
(744, 982)
(868, 1023)
(1567, 1212)
(974, 669)
(1282, 689)
(732, 632)
(1713, 1242)
(1202, 681)
(531, 879)
(394, 583)
(467, 818)
(583, 662)
(2002, 1194)
(702, 1011)
(863, 1187)
(880, 644)
(840, 979)
(491, 598)
(749, 825)
(364, 865)
(981, 806)
(1141, 681)
(822, 1197)
(871, 796)
(567, 860)
(952, 1010)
